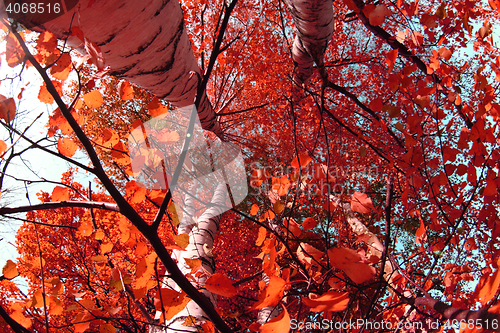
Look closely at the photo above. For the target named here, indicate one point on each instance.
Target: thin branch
(61, 204)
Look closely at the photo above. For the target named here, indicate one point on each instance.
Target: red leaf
(309, 223)
(60, 193)
(280, 324)
(376, 14)
(304, 161)
(391, 58)
(66, 147)
(13, 52)
(7, 108)
(361, 203)
(488, 286)
(221, 285)
(156, 108)
(349, 261)
(173, 302)
(120, 154)
(445, 53)
(292, 226)
(272, 294)
(125, 90)
(95, 54)
(329, 301)
(420, 234)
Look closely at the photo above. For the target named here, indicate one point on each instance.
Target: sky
(35, 162)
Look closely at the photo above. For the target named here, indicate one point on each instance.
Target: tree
(371, 140)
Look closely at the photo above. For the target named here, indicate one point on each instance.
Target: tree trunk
(201, 233)
(314, 22)
(144, 42)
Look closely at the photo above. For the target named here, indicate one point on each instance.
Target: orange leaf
(7, 108)
(272, 294)
(349, 261)
(120, 154)
(304, 160)
(193, 263)
(57, 121)
(9, 270)
(62, 68)
(125, 90)
(66, 147)
(3, 147)
(17, 315)
(254, 210)
(261, 237)
(60, 193)
(309, 223)
(136, 192)
(156, 108)
(93, 99)
(144, 271)
(208, 327)
(361, 203)
(329, 301)
(280, 324)
(268, 215)
(44, 95)
(182, 240)
(82, 322)
(488, 286)
(221, 285)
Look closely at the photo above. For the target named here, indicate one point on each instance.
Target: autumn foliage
(373, 185)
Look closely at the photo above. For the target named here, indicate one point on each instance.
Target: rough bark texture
(144, 42)
(314, 22)
(201, 233)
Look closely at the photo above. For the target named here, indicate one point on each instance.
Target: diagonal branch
(16, 327)
(125, 208)
(407, 53)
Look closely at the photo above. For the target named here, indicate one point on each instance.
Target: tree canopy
(369, 133)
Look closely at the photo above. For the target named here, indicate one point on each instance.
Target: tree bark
(314, 22)
(201, 233)
(144, 42)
